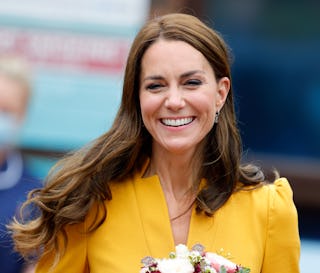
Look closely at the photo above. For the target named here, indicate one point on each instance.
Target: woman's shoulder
(280, 199)
(274, 198)
(280, 187)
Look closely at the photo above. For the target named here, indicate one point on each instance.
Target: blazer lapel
(203, 230)
(154, 216)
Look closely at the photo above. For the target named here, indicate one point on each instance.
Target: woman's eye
(193, 82)
(154, 86)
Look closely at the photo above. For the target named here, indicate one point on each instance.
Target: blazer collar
(155, 218)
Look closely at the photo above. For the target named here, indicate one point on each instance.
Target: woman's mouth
(177, 121)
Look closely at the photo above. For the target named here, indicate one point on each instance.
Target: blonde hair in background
(18, 70)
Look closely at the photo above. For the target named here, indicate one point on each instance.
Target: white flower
(177, 265)
(194, 254)
(182, 251)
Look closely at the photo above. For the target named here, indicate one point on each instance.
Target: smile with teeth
(176, 122)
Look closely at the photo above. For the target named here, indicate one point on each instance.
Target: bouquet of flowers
(195, 260)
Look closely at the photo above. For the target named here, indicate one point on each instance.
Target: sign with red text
(81, 52)
(77, 50)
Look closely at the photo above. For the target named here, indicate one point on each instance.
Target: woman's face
(12, 97)
(179, 95)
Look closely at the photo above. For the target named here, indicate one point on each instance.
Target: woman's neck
(178, 173)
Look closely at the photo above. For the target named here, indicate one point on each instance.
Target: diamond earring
(216, 118)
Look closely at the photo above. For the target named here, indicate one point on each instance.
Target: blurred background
(77, 50)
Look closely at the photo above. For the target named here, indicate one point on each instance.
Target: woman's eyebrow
(153, 77)
(192, 72)
(183, 75)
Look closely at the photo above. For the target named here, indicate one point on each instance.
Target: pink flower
(216, 261)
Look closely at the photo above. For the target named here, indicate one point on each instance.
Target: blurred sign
(77, 49)
(102, 12)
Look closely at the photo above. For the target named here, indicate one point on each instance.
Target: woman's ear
(222, 92)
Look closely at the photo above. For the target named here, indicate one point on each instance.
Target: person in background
(167, 172)
(15, 181)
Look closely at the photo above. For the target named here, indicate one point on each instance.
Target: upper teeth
(176, 122)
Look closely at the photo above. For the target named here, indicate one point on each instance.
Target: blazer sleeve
(282, 250)
(74, 259)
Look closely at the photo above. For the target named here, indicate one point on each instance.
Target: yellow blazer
(256, 228)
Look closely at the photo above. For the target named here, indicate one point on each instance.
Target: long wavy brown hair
(80, 180)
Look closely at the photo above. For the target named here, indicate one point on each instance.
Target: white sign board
(77, 49)
(104, 12)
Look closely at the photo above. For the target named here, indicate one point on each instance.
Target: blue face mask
(9, 130)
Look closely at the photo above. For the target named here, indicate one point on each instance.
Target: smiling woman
(180, 97)
(168, 172)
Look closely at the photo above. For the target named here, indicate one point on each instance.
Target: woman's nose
(175, 99)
